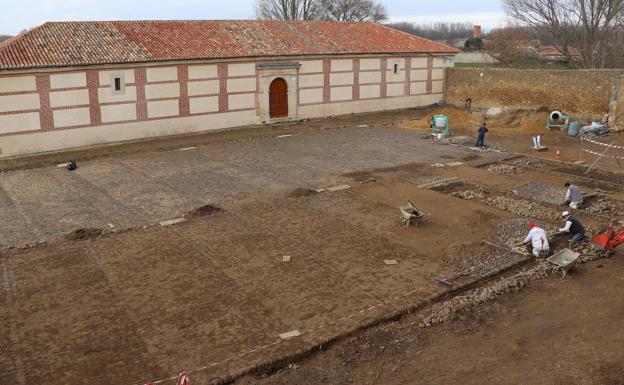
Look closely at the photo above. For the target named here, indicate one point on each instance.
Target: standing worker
(538, 239)
(574, 197)
(574, 227)
(482, 130)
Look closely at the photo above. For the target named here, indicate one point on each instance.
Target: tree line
(595, 27)
(336, 10)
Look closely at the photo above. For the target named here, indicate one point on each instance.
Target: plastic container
(574, 128)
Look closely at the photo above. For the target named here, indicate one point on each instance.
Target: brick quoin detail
(429, 74)
(45, 111)
(93, 82)
(184, 100)
(222, 73)
(326, 72)
(356, 79)
(384, 72)
(140, 79)
(408, 75)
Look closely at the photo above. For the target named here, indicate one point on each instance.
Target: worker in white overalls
(574, 196)
(538, 240)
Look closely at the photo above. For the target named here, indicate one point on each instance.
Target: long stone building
(72, 84)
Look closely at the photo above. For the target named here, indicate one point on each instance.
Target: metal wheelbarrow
(563, 261)
(410, 214)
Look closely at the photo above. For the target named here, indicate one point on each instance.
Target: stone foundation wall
(575, 91)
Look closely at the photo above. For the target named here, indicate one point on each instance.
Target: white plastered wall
(38, 142)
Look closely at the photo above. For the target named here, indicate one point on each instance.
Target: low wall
(578, 91)
(617, 105)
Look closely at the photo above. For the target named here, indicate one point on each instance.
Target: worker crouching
(574, 196)
(538, 240)
(574, 227)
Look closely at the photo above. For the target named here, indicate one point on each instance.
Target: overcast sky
(17, 15)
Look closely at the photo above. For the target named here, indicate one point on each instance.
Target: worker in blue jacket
(481, 136)
(574, 227)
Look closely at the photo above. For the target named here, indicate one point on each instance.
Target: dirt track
(141, 304)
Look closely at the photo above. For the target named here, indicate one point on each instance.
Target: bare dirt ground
(554, 332)
(139, 302)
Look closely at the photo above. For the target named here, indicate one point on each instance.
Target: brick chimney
(476, 31)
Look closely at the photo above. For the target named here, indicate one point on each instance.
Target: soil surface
(554, 332)
(265, 240)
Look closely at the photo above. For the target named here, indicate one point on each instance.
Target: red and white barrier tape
(606, 156)
(308, 331)
(600, 143)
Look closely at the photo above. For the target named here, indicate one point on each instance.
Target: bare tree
(353, 10)
(552, 17)
(598, 21)
(287, 9)
(511, 46)
(588, 23)
(340, 10)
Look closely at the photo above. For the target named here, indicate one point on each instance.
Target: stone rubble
(505, 285)
(484, 265)
(542, 192)
(504, 169)
(604, 206)
(528, 162)
(479, 193)
(483, 294)
(523, 207)
(513, 231)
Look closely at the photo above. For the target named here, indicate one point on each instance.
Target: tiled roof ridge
(79, 43)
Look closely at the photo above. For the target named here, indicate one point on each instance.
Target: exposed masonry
(84, 98)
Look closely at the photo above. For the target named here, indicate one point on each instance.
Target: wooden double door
(278, 98)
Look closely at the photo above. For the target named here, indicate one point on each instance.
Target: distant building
(71, 84)
(556, 54)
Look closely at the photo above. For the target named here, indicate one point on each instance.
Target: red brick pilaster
(326, 72)
(45, 111)
(356, 79)
(429, 74)
(222, 73)
(93, 82)
(183, 79)
(408, 75)
(140, 78)
(384, 73)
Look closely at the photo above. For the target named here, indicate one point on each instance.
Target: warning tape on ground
(606, 156)
(601, 143)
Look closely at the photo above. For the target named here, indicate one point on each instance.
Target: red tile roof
(58, 44)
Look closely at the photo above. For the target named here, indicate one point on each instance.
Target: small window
(395, 69)
(118, 84)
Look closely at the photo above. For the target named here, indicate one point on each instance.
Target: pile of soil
(203, 211)
(82, 234)
(301, 192)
